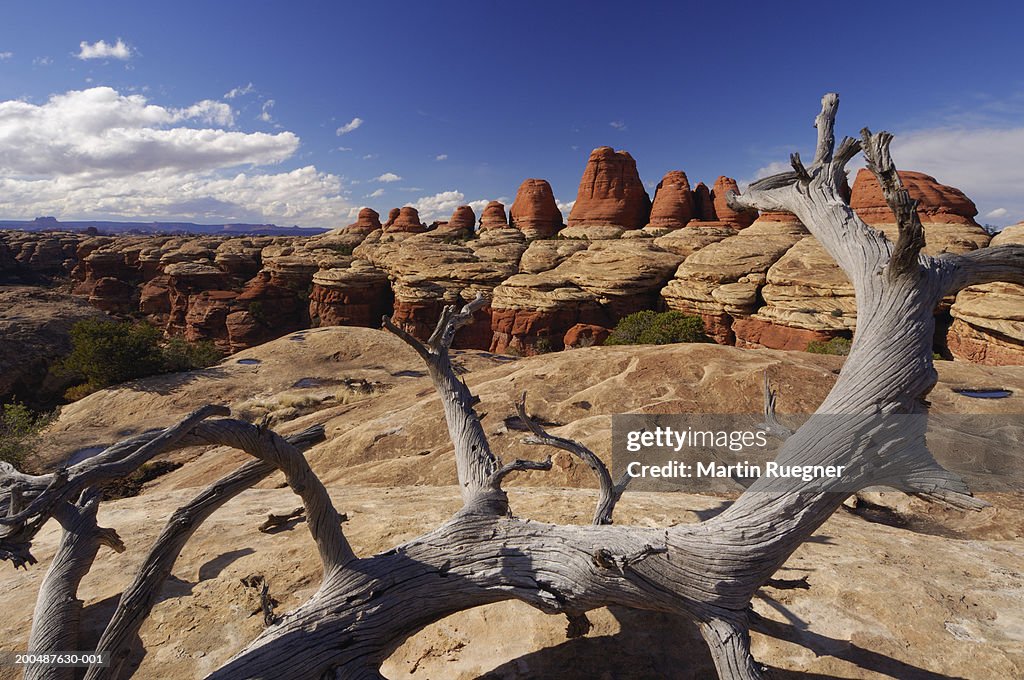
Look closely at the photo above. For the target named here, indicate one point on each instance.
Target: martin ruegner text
(675, 469)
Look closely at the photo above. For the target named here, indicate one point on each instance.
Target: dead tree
(709, 572)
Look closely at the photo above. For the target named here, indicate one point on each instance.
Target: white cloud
(369, 156)
(618, 124)
(565, 207)
(344, 148)
(984, 163)
(348, 127)
(265, 111)
(42, 61)
(101, 49)
(440, 206)
(239, 91)
(376, 194)
(387, 177)
(6, 55)
(441, 157)
(98, 154)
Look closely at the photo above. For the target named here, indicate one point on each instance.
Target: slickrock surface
(611, 192)
(388, 465)
(534, 211)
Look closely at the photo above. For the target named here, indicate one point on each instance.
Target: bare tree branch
(609, 493)
(474, 461)
(825, 122)
(910, 242)
(771, 424)
(138, 598)
(56, 620)
(517, 465)
(984, 265)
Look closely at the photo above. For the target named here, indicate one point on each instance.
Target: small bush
(19, 427)
(653, 328)
(106, 353)
(181, 355)
(837, 346)
(543, 345)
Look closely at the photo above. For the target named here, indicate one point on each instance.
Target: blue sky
(301, 112)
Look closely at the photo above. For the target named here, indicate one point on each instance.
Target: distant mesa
(610, 192)
(534, 211)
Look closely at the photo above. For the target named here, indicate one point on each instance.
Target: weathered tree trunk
(708, 572)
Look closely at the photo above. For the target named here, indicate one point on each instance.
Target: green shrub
(19, 427)
(181, 355)
(837, 346)
(653, 328)
(543, 345)
(105, 353)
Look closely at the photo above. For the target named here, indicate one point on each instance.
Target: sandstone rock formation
(428, 274)
(673, 205)
(695, 236)
(358, 295)
(392, 216)
(723, 213)
(585, 335)
(366, 221)
(988, 320)
(534, 211)
(493, 216)
(610, 192)
(462, 222)
(598, 286)
(946, 213)
(936, 202)
(720, 282)
(407, 220)
(703, 205)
